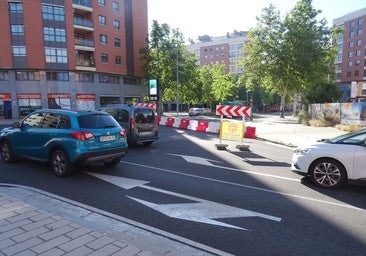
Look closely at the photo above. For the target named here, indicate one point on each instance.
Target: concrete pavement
(287, 131)
(33, 222)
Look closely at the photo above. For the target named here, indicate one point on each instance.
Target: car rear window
(144, 115)
(97, 121)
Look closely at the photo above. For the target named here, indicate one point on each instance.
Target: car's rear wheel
(60, 163)
(328, 173)
(7, 154)
(113, 162)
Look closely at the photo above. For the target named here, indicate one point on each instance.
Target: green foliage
(289, 56)
(322, 92)
(167, 61)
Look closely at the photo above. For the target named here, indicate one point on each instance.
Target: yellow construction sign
(230, 130)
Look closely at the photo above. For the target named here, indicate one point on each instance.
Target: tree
(288, 56)
(167, 61)
(222, 84)
(323, 92)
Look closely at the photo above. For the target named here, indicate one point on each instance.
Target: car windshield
(97, 121)
(144, 115)
(353, 137)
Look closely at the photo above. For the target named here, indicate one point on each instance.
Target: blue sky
(216, 18)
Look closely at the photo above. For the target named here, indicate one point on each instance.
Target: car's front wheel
(60, 163)
(328, 173)
(6, 150)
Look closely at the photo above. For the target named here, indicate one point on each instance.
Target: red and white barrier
(199, 125)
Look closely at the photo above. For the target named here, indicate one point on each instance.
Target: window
(118, 60)
(357, 73)
(115, 6)
(50, 12)
(57, 76)
(17, 30)
(19, 51)
(358, 52)
(84, 77)
(101, 2)
(116, 24)
(357, 63)
(54, 34)
(350, 54)
(15, 7)
(350, 44)
(359, 22)
(359, 42)
(103, 39)
(117, 42)
(4, 75)
(102, 20)
(359, 32)
(56, 55)
(104, 78)
(104, 57)
(350, 64)
(27, 76)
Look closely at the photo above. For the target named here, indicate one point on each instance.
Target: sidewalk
(287, 131)
(33, 222)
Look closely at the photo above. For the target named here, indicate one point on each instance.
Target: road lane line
(249, 187)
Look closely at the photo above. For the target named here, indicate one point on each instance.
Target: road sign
(224, 110)
(232, 131)
(151, 105)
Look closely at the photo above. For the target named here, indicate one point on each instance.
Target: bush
(320, 123)
(349, 127)
(304, 117)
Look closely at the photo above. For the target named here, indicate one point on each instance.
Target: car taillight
(132, 125)
(82, 135)
(123, 133)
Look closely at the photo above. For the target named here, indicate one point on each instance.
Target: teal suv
(65, 139)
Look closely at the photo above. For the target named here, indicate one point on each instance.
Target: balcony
(85, 62)
(82, 5)
(84, 44)
(83, 24)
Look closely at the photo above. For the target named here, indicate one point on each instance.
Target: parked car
(139, 121)
(198, 111)
(65, 139)
(331, 162)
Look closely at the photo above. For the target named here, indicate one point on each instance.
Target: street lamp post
(177, 79)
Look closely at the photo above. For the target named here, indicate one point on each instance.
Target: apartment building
(351, 58)
(73, 54)
(227, 50)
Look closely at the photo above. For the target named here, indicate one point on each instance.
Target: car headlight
(302, 151)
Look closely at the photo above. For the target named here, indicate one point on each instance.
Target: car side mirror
(16, 125)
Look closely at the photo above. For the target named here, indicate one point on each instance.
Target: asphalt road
(237, 202)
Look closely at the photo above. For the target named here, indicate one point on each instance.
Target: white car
(198, 111)
(331, 162)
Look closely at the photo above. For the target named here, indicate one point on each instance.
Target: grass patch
(349, 127)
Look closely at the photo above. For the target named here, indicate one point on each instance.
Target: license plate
(145, 133)
(107, 138)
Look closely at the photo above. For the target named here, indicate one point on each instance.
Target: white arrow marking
(205, 161)
(200, 211)
(196, 160)
(204, 212)
(121, 182)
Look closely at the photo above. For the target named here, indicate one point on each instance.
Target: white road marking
(200, 210)
(250, 187)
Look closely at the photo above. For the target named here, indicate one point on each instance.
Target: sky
(194, 18)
